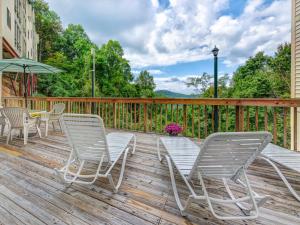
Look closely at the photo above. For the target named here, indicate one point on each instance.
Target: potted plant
(173, 129)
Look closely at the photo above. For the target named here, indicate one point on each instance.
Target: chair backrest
(58, 108)
(222, 155)
(15, 116)
(86, 135)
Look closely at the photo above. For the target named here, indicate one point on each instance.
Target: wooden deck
(30, 193)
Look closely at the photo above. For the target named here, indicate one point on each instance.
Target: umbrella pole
(25, 86)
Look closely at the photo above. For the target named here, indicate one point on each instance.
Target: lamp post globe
(215, 51)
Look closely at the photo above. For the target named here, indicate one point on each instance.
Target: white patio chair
(224, 156)
(290, 159)
(53, 116)
(89, 142)
(19, 118)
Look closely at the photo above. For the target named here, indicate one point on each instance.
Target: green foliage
(145, 84)
(200, 83)
(48, 26)
(70, 50)
(264, 76)
(114, 76)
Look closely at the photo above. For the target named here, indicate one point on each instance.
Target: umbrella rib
(5, 67)
(52, 71)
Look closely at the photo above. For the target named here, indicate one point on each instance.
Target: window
(8, 18)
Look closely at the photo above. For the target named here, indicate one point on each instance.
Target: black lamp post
(215, 52)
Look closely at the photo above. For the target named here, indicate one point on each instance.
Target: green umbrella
(26, 66)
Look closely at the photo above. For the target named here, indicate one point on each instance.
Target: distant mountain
(171, 94)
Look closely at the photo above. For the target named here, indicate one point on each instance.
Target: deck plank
(31, 193)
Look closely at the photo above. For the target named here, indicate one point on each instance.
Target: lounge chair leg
(285, 181)
(2, 129)
(233, 199)
(25, 135)
(182, 208)
(158, 150)
(109, 176)
(47, 127)
(260, 200)
(39, 131)
(60, 127)
(134, 145)
(53, 126)
(8, 135)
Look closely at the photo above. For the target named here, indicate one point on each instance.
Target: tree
(145, 84)
(200, 83)
(48, 26)
(281, 71)
(246, 78)
(113, 72)
(74, 42)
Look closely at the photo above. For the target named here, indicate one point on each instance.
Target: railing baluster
(172, 113)
(177, 114)
(220, 118)
(161, 108)
(205, 121)
(256, 118)
(266, 118)
(285, 127)
(193, 134)
(248, 119)
(151, 112)
(199, 122)
(212, 118)
(145, 118)
(275, 126)
(226, 125)
(155, 118)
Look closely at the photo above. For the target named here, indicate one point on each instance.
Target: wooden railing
(194, 115)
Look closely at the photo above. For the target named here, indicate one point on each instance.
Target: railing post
(145, 118)
(239, 118)
(49, 105)
(69, 107)
(114, 115)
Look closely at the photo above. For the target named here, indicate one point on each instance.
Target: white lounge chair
(89, 142)
(274, 154)
(19, 119)
(221, 156)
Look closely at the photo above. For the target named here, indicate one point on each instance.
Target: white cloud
(173, 83)
(185, 31)
(152, 72)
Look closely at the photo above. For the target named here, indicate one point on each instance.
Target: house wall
(17, 40)
(295, 70)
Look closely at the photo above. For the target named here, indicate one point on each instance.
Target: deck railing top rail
(276, 102)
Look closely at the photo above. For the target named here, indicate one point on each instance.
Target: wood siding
(295, 71)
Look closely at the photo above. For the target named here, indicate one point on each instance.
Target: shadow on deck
(31, 193)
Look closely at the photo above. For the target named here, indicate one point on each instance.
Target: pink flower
(173, 129)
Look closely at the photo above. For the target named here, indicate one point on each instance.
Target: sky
(173, 39)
